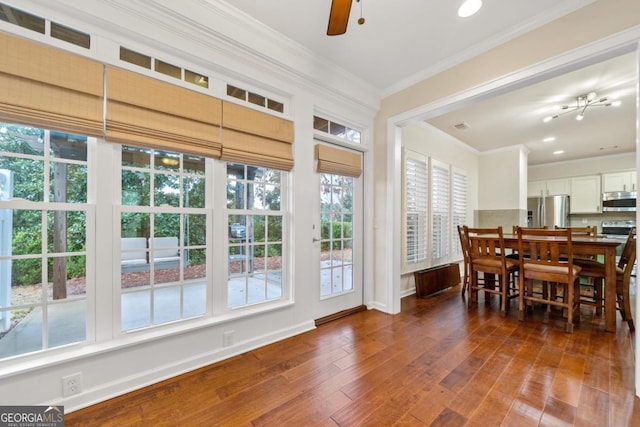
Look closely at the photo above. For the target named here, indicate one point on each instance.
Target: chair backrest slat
(485, 242)
(588, 231)
(546, 246)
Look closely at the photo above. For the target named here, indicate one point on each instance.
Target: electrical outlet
(227, 338)
(72, 384)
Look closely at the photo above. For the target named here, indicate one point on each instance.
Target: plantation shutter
(255, 138)
(156, 114)
(338, 161)
(440, 213)
(416, 203)
(459, 205)
(45, 87)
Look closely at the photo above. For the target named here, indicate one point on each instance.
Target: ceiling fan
(339, 17)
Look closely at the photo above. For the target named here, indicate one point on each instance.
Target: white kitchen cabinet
(549, 187)
(536, 188)
(558, 186)
(586, 194)
(619, 181)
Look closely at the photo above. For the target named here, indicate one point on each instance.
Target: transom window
(337, 130)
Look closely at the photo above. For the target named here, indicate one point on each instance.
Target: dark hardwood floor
(435, 364)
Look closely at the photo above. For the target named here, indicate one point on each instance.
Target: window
(434, 204)
(38, 24)
(416, 196)
(163, 229)
(145, 61)
(44, 218)
(336, 130)
(459, 208)
(255, 234)
(440, 211)
(255, 98)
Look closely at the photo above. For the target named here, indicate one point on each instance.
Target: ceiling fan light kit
(582, 103)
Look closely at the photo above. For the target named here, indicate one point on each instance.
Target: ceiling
(516, 118)
(404, 41)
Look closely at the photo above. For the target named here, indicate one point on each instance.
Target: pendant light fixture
(581, 104)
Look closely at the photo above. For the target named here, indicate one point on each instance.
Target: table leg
(610, 289)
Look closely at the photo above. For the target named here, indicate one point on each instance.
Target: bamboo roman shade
(338, 161)
(256, 138)
(156, 114)
(45, 87)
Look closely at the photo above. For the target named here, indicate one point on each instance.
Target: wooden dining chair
(588, 231)
(595, 270)
(588, 292)
(487, 256)
(464, 244)
(547, 263)
(515, 229)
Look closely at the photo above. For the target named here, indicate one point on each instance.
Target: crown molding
(217, 37)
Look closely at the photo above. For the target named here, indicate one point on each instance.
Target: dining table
(595, 246)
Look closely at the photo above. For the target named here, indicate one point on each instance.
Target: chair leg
(597, 295)
(465, 281)
(525, 286)
(625, 306)
(473, 290)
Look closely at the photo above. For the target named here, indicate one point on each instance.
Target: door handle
(315, 240)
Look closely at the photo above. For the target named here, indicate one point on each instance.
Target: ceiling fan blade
(338, 17)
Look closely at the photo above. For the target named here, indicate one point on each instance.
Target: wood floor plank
(436, 363)
(558, 413)
(593, 408)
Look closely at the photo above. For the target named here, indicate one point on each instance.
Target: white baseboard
(120, 386)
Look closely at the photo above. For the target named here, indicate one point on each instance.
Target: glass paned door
(338, 244)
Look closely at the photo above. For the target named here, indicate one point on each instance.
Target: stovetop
(620, 223)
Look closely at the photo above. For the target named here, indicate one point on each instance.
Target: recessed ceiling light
(558, 152)
(469, 7)
(549, 139)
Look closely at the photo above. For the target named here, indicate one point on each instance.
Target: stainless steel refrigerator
(548, 211)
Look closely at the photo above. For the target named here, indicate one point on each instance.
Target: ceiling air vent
(461, 126)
